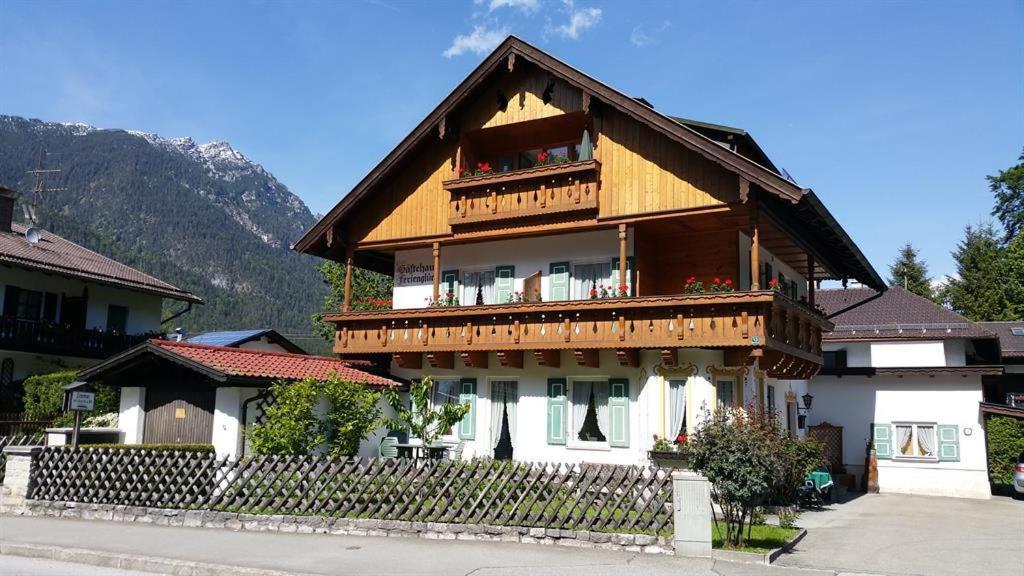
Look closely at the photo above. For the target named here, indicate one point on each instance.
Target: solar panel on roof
(224, 338)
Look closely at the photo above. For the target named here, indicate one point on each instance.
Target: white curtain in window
(580, 402)
(677, 405)
(446, 392)
(503, 394)
(926, 440)
(726, 392)
(601, 404)
(904, 440)
(472, 283)
(587, 276)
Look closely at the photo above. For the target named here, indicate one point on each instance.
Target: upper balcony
(45, 338)
(530, 192)
(784, 333)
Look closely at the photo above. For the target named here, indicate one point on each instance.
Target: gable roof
(224, 364)
(866, 314)
(1012, 344)
(235, 338)
(57, 255)
(852, 263)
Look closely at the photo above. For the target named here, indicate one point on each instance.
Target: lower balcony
(45, 338)
(783, 333)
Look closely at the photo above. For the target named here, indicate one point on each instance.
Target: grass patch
(763, 538)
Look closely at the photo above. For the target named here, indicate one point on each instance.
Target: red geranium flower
(728, 282)
(681, 439)
(773, 282)
(718, 280)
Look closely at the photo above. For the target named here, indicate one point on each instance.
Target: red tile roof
(59, 256)
(245, 362)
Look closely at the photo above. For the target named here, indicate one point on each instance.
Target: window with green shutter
(618, 412)
(949, 443)
(558, 281)
(504, 283)
(558, 411)
(629, 274)
(881, 438)
(467, 394)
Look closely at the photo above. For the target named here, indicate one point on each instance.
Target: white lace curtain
(904, 440)
(677, 404)
(446, 392)
(926, 440)
(588, 276)
(477, 282)
(504, 394)
(581, 391)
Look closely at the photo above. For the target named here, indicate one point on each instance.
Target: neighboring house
(183, 393)
(260, 339)
(906, 375)
(62, 306)
(532, 179)
(1007, 389)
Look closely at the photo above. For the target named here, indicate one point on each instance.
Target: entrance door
(72, 312)
(179, 416)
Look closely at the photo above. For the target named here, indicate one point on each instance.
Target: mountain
(200, 216)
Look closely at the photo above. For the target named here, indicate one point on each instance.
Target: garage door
(179, 416)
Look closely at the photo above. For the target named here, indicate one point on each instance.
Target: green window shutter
(618, 412)
(504, 283)
(449, 283)
(467, 393)
(558, 281)
(949, 442)
(881, 436)
(558, 411)
(629, 273)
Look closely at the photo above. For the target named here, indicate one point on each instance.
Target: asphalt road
(16, 566)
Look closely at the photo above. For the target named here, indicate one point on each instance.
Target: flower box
(669, 458)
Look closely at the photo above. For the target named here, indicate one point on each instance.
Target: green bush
(44, 397)
(1005, 443)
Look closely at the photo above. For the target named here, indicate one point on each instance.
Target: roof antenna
(31, 211)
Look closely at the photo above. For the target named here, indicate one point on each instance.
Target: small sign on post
(81, 399)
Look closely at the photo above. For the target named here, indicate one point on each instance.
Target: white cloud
(479, 41)
(579, 20)
(640, 37)
(527, 6)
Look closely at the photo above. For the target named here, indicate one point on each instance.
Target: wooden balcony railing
(45, 338)
(533, 192)
(785, 334)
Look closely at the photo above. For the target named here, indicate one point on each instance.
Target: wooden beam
(511, 358)
(590, 358)
(474, 359)
(810, 280)
(628, 357)
(670, 357)
(549, 358)
(409, 359)
(755, 246)
(441, 359)
(437, 272)
(737, 356)
(349, 257)
(623, 279)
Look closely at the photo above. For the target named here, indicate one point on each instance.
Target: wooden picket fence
(483, 491)
(17, 440)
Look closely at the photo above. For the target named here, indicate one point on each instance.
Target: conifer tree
(910, 272)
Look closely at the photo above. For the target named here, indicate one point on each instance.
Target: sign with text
(81, 400)
(410, 274)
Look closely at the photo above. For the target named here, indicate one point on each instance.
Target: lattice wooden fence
(19, 440)
(566, 496)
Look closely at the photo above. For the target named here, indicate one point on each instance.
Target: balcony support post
(437, 271)
(588, 358)
(474, 359)
(755, 246)
(623, 267)
(628, 357)
(511, 358)
(349, 257)
(549, 358)
(441, 359)
(810, 280)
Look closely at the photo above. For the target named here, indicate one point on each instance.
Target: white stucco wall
(854, 402)
(902, 354)
(28, 364)
(131, 416)
(765, 256)
(528, 255)
(263, 344)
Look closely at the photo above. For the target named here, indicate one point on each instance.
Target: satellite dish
(33, 235)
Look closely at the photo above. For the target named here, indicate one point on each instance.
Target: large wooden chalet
(555, 246)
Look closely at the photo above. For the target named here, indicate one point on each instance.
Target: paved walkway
(914, 535)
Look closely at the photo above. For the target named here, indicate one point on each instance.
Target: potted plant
(717, 285)
(693, 286)
(666, 454)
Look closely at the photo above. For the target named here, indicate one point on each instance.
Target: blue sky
(892, 111)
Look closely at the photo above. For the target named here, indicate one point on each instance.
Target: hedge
(44, 397)
(1005, 436)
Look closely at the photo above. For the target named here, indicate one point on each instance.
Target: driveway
(914, 535)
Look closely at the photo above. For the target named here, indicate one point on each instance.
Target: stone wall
(645, 543)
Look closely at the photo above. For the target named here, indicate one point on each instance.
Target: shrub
(1005, 436)
(423, 421)
(44, 397)
(797, 457)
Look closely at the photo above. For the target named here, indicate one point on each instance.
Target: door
(179, 416)
(72, 312)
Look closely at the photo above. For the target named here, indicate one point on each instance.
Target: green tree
(982, 287)
(910, 272)
(354, 414)
(370, 291)
(290, 425)
(423, 421)
(1008, 186)
(44, 397)
(1013, 263)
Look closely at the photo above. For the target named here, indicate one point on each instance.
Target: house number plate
(179, 412)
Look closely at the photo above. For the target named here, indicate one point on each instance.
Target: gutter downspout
(187, 309)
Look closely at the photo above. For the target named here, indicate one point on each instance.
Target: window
(915, 441)
(726, 392)
(445, 392)
(834, 358)
(771, 399)
(117, 318)
(590, 410)
(1017, 331)
(23, 304)
(588, 277)
(477, 288)
(677, 407)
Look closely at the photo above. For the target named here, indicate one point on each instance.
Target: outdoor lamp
(807, 400)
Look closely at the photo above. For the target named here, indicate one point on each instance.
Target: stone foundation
(645, 543)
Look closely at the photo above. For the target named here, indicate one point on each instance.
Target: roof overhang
(133, 355)
(901, 372)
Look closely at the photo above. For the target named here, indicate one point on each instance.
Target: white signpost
(81, 400)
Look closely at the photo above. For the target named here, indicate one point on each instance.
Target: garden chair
(389, 447)
(455, 452)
